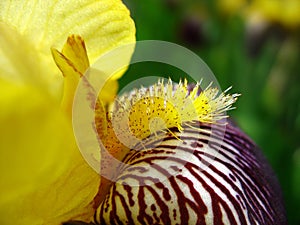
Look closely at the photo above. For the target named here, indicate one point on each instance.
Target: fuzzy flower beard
(146, 111)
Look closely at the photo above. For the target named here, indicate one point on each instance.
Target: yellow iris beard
(152, 114)
(147, 111)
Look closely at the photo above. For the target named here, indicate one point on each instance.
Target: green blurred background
(252, 46)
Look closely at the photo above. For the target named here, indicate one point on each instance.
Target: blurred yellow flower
(44, 179)
(286, 13)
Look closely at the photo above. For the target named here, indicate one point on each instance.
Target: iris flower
(44, 178)
(179, 166)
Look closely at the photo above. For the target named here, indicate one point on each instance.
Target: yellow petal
(109, 91)
(30, 144)
(20, 61)
(47, 181)
(103, 24)
(44, 178)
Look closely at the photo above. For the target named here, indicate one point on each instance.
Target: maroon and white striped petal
(200, 178)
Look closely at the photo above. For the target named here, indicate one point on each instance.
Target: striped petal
(199, 180)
